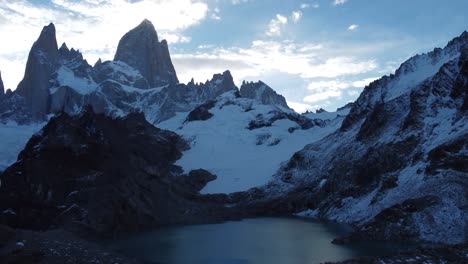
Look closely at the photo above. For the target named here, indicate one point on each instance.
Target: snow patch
(13, 139)
(66, 77)
(224, 146)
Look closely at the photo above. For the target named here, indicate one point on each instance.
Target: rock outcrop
(141, 49)
(262, 93)
(2, 87)
(42, 63)
(105, 175)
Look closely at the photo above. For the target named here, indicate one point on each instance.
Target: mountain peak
(262, 93)
(47, 40)
(141, 49)
(42, 63)
(2, 88)
(147, 27)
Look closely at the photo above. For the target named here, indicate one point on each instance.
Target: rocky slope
(101, 175)
(397, 168)
(2, 88)
(262, 94)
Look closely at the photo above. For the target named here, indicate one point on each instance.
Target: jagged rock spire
(98, 63)
(141, 49)
(262, 93)
(2, 88)
(42, 62)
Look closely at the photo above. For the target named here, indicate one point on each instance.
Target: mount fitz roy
(140, 150)
(140, 79)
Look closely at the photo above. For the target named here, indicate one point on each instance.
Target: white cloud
(328, 85)
(306, 5)
(215, 15)
(326, 89)
(353, 27)
(236, 2)
(339, 2)
(296, 16)
(303, 60)
(275, 26)
(320, 96)
(338, 84)
(301, 107)
(339, 66)
(175, 38)
(364, 82)
(93, 26)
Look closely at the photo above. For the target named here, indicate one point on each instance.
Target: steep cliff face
(141, 49)
(397, 167)
(262, 93)
(42, 63)
(119, 96)
(2, 88)
(106, 175)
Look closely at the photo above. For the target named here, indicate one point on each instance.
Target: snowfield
(241, 158)
(13, 139)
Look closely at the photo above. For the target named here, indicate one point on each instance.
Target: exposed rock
(434, 254)
(302, 121)
(98, 63)
(347, 106)
(14, 108)
(262, 93)
(141, 49)
(42, 63)
(105, 175)
(56, 247)
(201, 113)
(2, 88)
(184, 98)
(197, 179)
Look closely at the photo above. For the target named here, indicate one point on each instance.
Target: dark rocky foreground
(445, 254)
(54, 247)
(104, 176)
(90, 177)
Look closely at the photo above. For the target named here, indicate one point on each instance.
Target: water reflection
(251, 241)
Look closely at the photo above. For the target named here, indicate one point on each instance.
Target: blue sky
(316, 53)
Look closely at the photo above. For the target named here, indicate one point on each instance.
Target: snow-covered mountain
(394, 163)
(398, 166)
(240, 134)
(140, 79)
(243, 141)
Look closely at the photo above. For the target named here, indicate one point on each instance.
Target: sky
(316, 53)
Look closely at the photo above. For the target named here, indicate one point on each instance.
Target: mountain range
(394, 164)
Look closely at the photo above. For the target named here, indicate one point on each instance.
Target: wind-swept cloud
(296, 16)
(215, 14)
(339, 2)
(305, 60)
(320, 96)
(275, 26)
(326, 89)
(353, 27)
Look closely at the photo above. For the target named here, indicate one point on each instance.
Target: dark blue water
(251, 241)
